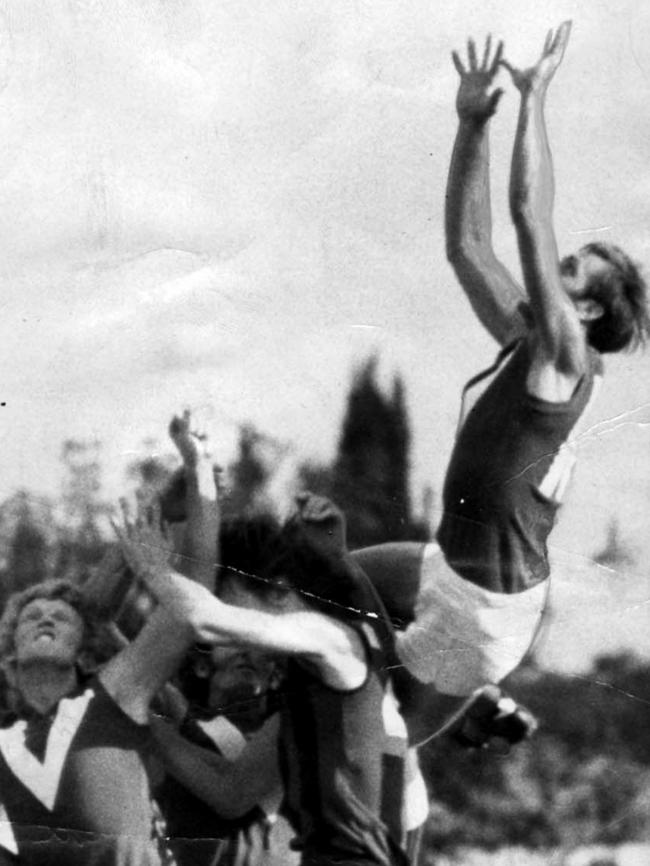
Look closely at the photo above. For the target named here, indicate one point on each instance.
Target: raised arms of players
(495, 296)
(140, 669)
(334, 647)
(531, 203)
(199, 552)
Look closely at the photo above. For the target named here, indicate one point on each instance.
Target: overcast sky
(226, 205)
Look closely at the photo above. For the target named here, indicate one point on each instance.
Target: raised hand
(536, 78)
(475, 99)
(107, 586)
(186, 441)
(144, 543)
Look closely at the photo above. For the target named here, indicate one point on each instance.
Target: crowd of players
(249, 692)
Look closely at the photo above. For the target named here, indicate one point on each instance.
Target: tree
(28, 540)
(251, 471)
(153, 472)
(81, 544)
(370, 476)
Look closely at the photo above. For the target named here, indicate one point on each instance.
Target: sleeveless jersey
(88, 802)
(509, 468)
(344, 790)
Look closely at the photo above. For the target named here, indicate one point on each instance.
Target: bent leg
(455, 637)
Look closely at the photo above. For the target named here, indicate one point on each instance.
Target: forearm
(142, 667)
(532, 184)
(230, 788)
(200, 550)
(531, 204)
(468, 217)
(492, 292)
(212, 621)
(108, 586)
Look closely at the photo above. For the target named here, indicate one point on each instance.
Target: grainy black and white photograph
(324, 433)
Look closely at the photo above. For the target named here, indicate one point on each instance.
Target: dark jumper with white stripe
(343, 791)
(87, 801)
(508, 471)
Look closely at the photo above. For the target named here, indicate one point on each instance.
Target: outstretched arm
(140, 669)
(491, 290)
(532, 192)
(200, 551)
(334, 647)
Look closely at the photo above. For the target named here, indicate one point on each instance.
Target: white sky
(225, 205)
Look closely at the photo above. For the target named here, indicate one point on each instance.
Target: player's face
(579, 269)
(234, 669)
(48, 630)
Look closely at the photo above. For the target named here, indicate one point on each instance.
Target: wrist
(200, 475)
(533, 91)
(473, 123)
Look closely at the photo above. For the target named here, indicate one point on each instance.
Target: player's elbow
(191, 615)
(230, 808)
(464, 255)
(244, 792)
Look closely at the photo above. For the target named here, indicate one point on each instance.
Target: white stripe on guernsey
(43, 779)
(464, 636)
(554, 484)
(394, 725)
(231, 743)
(415, 802)
(227, 737)
(7, 838)
(415, 809)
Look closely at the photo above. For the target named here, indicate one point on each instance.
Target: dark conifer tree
(370, 478)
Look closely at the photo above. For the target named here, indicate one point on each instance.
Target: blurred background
(237, 208)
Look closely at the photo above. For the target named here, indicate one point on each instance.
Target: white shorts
(464, 636)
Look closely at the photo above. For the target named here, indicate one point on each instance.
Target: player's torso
(338, 774)
(509, 469)
(91, 787)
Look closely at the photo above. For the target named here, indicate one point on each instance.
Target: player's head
(293, 573)
(242, 684)
(47, 624)
(247, 547)
(269, 567)
(238, 683)
(610, 295)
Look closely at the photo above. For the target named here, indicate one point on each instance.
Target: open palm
(475, 99)
(537, 77)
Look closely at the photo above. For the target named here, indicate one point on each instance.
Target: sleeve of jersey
(464, 636)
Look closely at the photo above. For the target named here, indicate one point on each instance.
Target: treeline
(369, 478)
(584, 778)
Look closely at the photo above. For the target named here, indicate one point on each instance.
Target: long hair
(323, 573)
(50, 590)
(622, 293)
